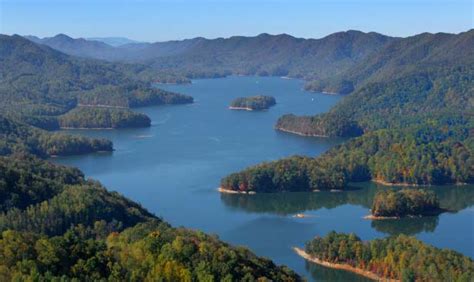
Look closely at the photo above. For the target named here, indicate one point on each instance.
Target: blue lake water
(174, 167)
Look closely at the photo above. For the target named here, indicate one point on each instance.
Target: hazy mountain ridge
(129, 51)
(114, 41)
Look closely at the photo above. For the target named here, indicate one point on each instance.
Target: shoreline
(87, 128)
(330, 93)
(229, 191)
(385, 183)
(99, 128)
(101, 106)
(433, 213)
(299, 133)
(341, 266)
(241, 108)
(374, 217)
(404, 184)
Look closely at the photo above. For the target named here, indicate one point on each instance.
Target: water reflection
(321, 273)
(407, 226)
(452, 198)
(291, 203)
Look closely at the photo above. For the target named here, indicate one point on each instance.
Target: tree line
(397, 257)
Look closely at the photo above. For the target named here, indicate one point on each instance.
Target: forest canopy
(398, 257)
(100, 117)
(57, 225)
(405, 202)
(254, 103)
(439, 152)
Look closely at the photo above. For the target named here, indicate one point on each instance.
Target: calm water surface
(173, 169)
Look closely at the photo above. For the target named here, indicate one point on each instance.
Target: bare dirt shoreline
(87, 128)
(241, 108)
(299, 133)
(374, 217)
(342, 266)
(385, 183)
(229, 191)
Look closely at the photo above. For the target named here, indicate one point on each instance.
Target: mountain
(38, 83)
(19, 139)
(276, 55)
(407, 55)
(412, 104)
(264, 54)
(337, 63)
(409, 80)
(128, 50)
(77, 47)
(67, 228)
(114, 41)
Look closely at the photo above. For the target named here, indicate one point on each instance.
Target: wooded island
(254, 103)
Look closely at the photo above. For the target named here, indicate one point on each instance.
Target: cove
(174, 167)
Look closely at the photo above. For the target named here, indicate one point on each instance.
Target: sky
(161, 20)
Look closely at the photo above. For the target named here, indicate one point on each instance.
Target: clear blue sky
(161, 20)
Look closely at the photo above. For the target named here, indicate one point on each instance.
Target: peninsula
(396, 258)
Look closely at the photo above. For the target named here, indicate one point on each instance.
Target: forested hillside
(416, 124)
(425, 95)
(38, 83)
(100, 117)
(338, 63)
(56, 225)
(398, 257)
(18, 138)
(265, 54)
(439, 151)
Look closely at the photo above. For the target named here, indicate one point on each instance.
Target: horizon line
(94, 38)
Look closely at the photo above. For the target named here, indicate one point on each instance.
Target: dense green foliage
(130, 96)
(100, 117)
(290, 174)
(321, 126)
(16, 137)
(54, 224)
(417, 123)
(437, 153)
(25, 181)
(400, 257)
(259, 102)
(148, 251)
(416, 97)
(202, 58)
(406, 202)
(83, 204)
(338, 63)
(37, 83)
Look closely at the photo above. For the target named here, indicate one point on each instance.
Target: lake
(174, 167)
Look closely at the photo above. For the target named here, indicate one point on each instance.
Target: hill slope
(38, 83)
(63, 227)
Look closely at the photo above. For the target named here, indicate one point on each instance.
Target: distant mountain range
(114, 41)
(110, 50)
(339, 62)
